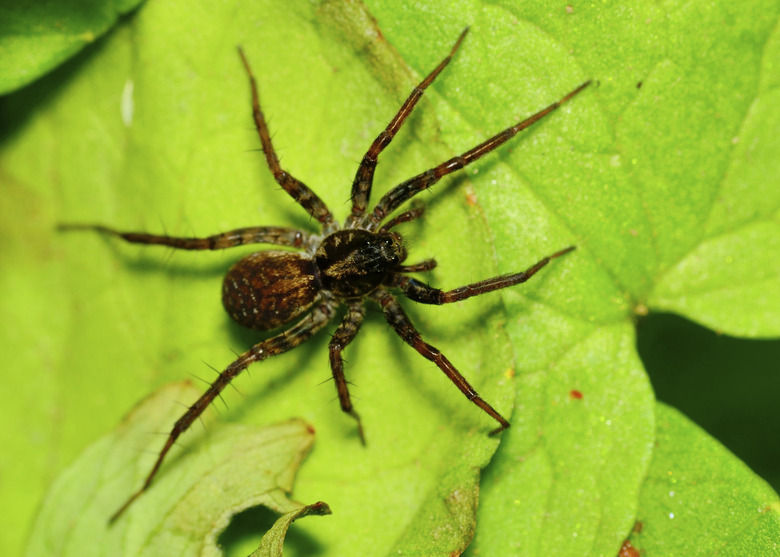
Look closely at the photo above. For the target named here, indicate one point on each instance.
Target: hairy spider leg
(299, 191)
(273, 346)
(406, 216)
(361, 187)
(345, 333)
(408, 189)
(399, 321)
(276, 235)
(420, 292)
(424, 265)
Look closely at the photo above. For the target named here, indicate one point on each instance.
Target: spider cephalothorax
(343, 266)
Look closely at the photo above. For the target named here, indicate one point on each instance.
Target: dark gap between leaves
(728, 386)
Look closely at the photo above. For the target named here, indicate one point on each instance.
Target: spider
(341, 266)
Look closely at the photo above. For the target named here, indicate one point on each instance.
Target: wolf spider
(343, 265)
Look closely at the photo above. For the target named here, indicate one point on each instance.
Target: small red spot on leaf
(628, 550)
(575, 394)
(471, 197)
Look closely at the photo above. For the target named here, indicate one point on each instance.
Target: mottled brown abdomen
(268, 289)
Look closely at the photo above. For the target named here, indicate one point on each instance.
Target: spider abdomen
(353, 262)
(268, 289)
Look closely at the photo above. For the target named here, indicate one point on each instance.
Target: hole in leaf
(246, 529)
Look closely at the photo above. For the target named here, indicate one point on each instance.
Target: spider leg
(299, 191)
(406, 216)
(361, 187)
(420, 292)
(398, 319)
(346, 331)
(241, 236)
(282, 342)
(424, 265)
(408, 189)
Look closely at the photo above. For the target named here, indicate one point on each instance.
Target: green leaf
(699, 499)
(566, 476)
(239, 468)
(36, 36)
(648, 182)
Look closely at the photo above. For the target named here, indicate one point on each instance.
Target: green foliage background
(665, 177)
